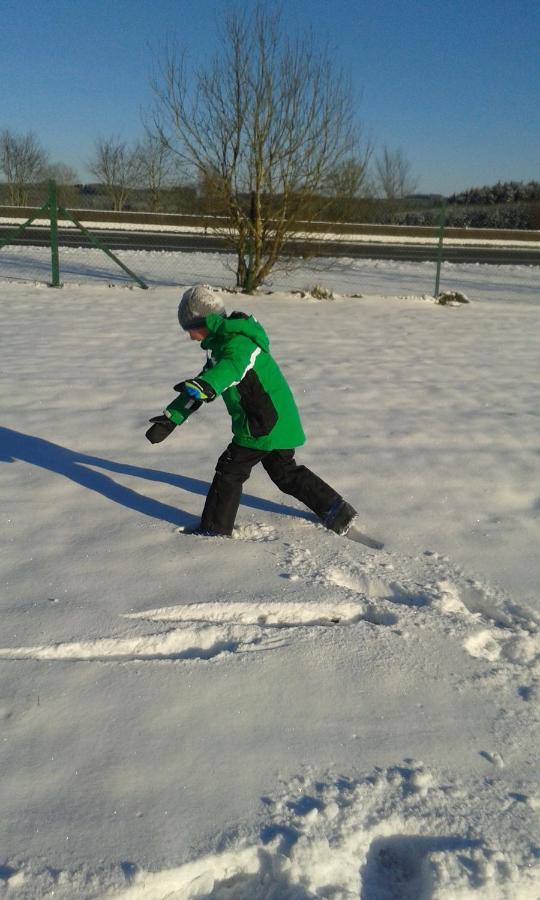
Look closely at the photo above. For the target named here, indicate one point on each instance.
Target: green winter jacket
(256, 394)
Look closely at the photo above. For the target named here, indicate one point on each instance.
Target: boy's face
(198, 334)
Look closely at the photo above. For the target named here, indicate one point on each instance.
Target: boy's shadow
(15, 446)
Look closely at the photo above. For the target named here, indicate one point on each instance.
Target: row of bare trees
(117, 166)
(150, 164)
(267, 130)
(23, 162)
(153, 165)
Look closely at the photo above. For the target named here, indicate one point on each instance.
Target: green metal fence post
(442, 222)
(53, 214)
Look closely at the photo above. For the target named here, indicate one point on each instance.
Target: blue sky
(455, 85)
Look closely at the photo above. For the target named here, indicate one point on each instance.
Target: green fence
(52, 211)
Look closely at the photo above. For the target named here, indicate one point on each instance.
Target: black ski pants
(234, 468)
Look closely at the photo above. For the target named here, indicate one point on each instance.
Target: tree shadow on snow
(79, 467)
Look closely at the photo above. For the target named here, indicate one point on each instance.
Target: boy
(265, 421)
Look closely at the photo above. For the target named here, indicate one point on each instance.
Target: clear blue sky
(455, 84)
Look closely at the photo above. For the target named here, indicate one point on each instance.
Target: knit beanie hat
(197, 303)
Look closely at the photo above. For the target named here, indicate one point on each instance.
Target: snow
(288, 714)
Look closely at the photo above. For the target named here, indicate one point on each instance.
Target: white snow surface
(285, 715)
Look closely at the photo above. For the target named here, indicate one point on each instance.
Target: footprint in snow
(256, 531)
(376, 850)
(520, 647)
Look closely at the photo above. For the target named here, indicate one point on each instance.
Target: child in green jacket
(266, 425)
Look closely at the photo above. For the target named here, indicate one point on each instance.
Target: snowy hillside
(285, 715)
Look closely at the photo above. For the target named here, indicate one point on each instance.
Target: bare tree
(66, 180)
(351, 178)
(262, 126)
(115, 166)
(23, 162)
(62, 174)
(394, 178)
(347, 183)
(156, 165)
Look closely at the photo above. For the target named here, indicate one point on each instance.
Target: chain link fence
(51, 245)
(182, 251)
(173, 250)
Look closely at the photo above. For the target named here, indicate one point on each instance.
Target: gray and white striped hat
(198, 302)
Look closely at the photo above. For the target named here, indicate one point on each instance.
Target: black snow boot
(340, 516)
(201, 531)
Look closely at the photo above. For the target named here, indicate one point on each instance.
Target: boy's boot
(340, 516)
(199, 529)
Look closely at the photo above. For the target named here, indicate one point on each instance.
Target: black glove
(196, 389)
(161, 429)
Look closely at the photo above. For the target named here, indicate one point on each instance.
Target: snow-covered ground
(285, 715)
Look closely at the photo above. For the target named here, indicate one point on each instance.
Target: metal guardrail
(165, 220)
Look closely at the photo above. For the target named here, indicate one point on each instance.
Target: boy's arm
(238, 358)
